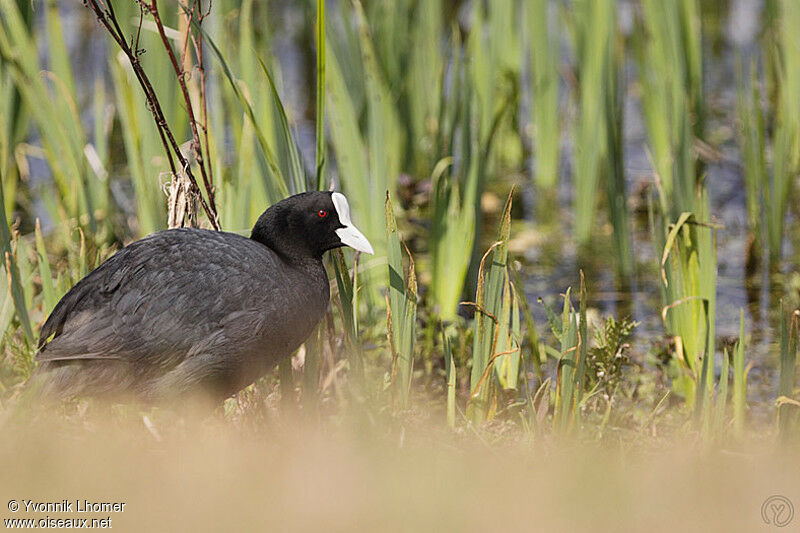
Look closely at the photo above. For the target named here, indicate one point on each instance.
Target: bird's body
(187, 310)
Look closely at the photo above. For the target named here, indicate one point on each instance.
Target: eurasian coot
(187, 310)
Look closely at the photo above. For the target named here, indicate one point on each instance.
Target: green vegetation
(401, 311)
(426, 114)
(544, 54)
(495, 349)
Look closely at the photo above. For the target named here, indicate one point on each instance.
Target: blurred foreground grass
(285, 475)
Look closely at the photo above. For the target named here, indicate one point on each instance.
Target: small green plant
(570, 329)
(607, 358)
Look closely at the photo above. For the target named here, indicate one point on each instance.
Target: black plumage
(188, 310)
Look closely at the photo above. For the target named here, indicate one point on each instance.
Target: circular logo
(777, 510)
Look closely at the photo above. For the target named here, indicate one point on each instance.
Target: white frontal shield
(349, 234)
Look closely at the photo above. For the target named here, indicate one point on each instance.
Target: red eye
(322, 213)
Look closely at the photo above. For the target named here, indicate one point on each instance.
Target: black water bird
(190, 310)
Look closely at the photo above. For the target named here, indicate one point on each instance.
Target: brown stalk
(104, 12)
(197, 43)
(487, 371)
(180, 73)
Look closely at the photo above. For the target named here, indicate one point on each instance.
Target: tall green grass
(598, 137)
(78, 194)
(752, 139)
(368, 160)
(689, 283)
(402, 309)
(496, 338)
(670, 72)
(740, 371)
(593, 33)
(786, 144)
(545, 54)
(769, 120)
(670, 62)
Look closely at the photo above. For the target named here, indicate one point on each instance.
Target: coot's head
(309, 223)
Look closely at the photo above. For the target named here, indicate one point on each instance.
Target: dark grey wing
(160, 298)
(92, 292)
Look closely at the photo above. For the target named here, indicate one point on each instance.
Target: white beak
(349, 234)
(353, 238)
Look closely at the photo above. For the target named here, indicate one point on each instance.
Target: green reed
(752, 139)
(786, 144)
(598, 134)
(401, 311)
(496, 347)
(570, 329)
(544, 51)
(670, 63)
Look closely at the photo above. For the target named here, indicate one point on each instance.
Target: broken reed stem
(181, 203)
(104, 12)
